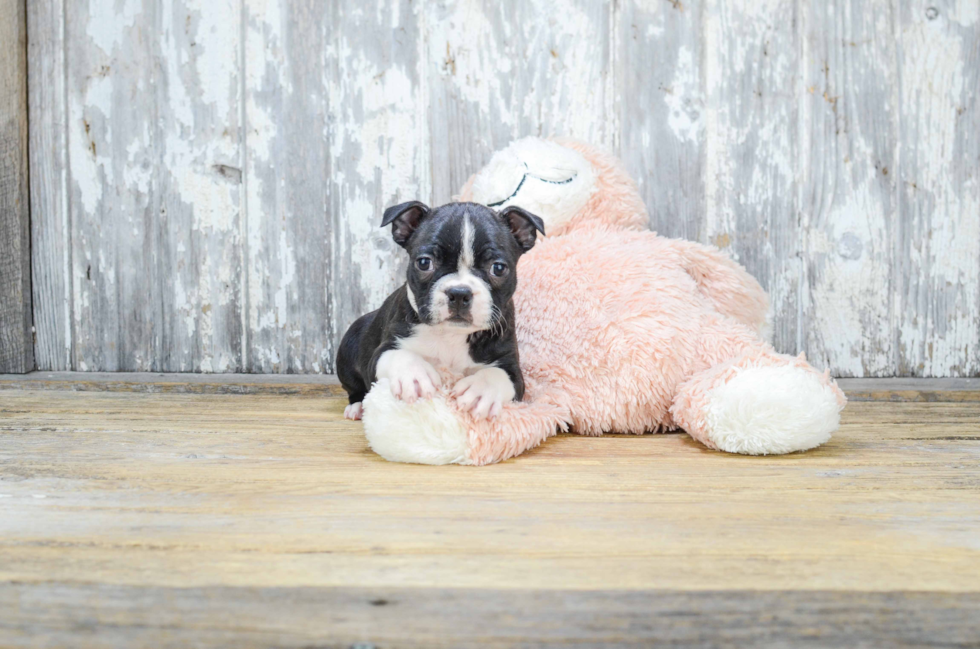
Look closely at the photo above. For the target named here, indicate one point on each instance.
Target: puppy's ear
(523, 225)
(404, 219)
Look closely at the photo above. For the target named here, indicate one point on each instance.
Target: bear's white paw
(771, 410)
(485, 392)
(424, 432)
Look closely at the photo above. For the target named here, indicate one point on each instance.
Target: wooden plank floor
(168, 518)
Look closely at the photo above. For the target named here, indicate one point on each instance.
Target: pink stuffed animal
(620, 330)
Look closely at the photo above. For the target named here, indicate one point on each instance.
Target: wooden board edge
(90, 615)
(896, 390)
(912, 390)
(311, 385)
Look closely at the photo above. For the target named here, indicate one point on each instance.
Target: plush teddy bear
(619, 330)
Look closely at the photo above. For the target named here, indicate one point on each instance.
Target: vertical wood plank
(937, 272)
(153, 147)
(503, 70)
(848, 149)
(661, 107)
(16, 342)
(379, 144)
(287, 186)
(117, 308)
(751, 69)
(50, 229)
(336, 133)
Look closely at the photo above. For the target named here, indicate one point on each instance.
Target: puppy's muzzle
(459, 299)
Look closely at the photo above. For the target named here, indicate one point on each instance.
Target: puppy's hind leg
(348, 369)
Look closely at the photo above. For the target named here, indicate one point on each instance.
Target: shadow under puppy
(454, 312)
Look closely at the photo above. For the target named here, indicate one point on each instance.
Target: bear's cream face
(543, 177)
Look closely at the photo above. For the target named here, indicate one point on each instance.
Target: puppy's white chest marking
(443, 346)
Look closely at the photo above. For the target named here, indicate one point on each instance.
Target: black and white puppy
(454, 311)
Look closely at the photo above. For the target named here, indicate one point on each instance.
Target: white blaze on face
(466, 253)
(541, 176)
(481, 309)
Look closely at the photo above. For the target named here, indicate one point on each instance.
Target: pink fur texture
(621, 330)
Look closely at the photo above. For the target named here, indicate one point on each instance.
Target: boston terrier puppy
(454, 311)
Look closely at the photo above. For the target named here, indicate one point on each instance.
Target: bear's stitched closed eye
(528, 174)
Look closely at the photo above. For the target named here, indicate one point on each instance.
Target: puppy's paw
(354, 411)
(485, 392)
(409, 375)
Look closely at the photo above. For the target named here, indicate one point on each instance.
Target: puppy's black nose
(459, 297)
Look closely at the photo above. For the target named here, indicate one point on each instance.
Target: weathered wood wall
(207, 176)
(16, 340)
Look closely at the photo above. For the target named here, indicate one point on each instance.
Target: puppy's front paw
(354, 411)
(484, 393)
(409, 375)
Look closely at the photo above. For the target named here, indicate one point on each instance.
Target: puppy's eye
(498, 269)
(423, 264)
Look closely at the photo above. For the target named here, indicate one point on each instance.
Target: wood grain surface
(127, 617)
(127, 517)
(16, 338)
(208, 177)
(51, 253)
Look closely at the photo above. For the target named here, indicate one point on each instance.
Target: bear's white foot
(771, 410)
(424, 432)
(353, 411)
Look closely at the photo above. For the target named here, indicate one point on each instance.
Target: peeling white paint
(217, 72)
(939, 327)
(375, 149)
(966, 13)
(685, 120)
(108, 22)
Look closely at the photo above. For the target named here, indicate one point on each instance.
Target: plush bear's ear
(404, 219)
(523, 224)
